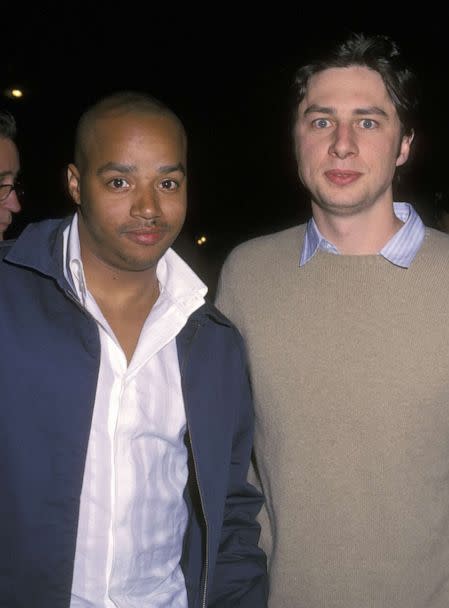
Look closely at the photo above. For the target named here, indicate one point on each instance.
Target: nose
(146, 204)
(343, 142)
(11, 202)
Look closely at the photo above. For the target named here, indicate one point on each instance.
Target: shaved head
(117, 104)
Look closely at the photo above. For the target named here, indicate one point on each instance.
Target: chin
(343, 207)
(141, 266)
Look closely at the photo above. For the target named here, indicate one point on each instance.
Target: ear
(73, 183)
(404, 149)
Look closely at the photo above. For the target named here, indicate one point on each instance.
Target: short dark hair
(8, 127)
(377, 52)
(120, 102)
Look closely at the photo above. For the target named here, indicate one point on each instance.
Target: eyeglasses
(6, 189)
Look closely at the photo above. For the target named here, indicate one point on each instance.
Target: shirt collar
(176, 279)
(399, 250)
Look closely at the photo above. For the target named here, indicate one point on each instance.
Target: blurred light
(201, 240)
(14, 93)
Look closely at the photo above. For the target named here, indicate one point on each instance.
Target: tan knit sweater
(349, 359)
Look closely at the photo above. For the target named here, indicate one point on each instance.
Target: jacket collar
(209, 311)
(39, 247)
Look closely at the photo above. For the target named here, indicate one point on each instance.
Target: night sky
(227, 74)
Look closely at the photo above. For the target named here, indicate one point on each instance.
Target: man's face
(9, 168)
(131, 189)
(348, 141)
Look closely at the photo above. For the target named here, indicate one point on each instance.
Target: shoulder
(435, 244)
(214, 320)
(268, 248)
(437, 237)
(289, 236)
(253, 267)
(217, 324)
(5, 247)
(431, 263)
(35, 237)
(213, 332)
(37, 252)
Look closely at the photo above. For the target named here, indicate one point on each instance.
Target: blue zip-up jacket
(50, 355)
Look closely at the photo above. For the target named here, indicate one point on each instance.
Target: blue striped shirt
(400, 249)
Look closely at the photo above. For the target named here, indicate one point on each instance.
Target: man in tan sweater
(346, 320)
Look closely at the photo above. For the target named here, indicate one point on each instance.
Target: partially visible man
(9, 169)
(346, 319)
(125, 444)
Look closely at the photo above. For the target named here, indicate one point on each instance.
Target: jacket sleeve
(240, 577)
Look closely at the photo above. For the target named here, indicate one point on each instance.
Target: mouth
(145, 236)
(342, 178)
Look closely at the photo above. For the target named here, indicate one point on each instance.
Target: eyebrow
(122, 168)
(314, 108)
(172, 168)
(6, 174)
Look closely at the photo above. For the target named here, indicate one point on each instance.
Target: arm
(240, 577)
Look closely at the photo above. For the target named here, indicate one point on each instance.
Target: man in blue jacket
(125, 415)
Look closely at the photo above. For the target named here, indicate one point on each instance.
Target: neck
(107, 283)
(364, 233)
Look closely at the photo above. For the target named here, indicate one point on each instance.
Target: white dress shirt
(132, 513)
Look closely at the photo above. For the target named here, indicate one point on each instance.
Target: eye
(169, 184)
(118, 183)
(368, 123)
(321, 123)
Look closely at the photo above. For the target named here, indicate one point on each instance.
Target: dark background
(226, 70)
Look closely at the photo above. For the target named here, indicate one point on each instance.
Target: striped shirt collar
(400, 249)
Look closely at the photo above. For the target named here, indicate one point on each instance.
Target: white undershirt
(132, 514)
